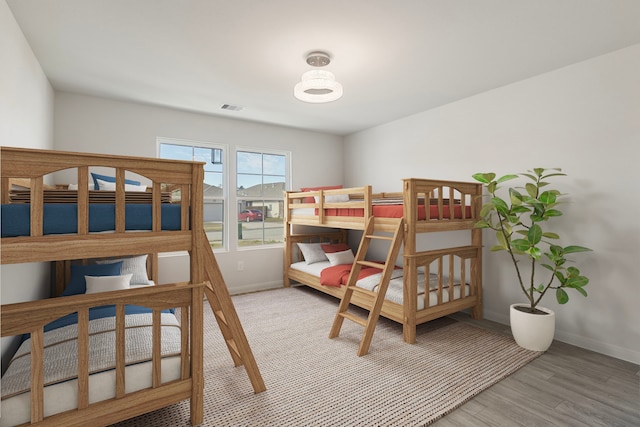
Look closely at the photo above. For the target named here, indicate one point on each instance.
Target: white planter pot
(532, 331)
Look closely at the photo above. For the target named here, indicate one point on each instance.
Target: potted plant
(518, 222)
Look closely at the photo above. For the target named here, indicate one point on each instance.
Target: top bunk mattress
(62, 218)
(389, 210)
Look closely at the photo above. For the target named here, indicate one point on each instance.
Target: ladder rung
(354, 318)
(375, 236)
(372, 264)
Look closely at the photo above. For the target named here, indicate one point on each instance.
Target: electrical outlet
(240, 265)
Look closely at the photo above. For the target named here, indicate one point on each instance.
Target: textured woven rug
(314, 381)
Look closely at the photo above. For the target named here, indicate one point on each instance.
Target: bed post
(476, 263)
(410, 292)
(197, 276)
(287, 242)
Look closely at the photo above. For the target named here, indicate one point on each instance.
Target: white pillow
(136, 266)
(97, 284)
(312, 252)
(74, 187)
(111, 186)
(338, 198)
(344, 257)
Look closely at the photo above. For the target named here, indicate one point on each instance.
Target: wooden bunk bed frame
(29, 166)
(443, 199)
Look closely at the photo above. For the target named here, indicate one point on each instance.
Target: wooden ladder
(227, 318)
(374, 299)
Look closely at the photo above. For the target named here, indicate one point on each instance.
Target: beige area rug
(314, 381)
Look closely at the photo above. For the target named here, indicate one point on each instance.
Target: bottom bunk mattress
(61, 363)
(330, 276)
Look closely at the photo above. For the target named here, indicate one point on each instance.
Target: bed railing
(31, 166)
(31, 317)
(447, 205)
(300, 210)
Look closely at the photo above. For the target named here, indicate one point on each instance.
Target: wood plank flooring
(566, 386)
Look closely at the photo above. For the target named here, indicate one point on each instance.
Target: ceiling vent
(231, 107)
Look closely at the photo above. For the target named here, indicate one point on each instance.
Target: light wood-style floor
(566, 386)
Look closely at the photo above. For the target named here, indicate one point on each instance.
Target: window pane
(214, 204)
(261, 223)
(249, 185)
(176, 152)
(274, 164)
(261, 181)
(214, 222)
(249, 163)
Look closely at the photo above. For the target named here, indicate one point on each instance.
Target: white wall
(26, 120)
(91, 124)
(584, 118)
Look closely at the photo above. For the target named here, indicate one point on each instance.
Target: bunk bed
(74, 231)
(431, 283)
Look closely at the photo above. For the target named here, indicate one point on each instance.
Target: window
(214, 178)
(261, 179)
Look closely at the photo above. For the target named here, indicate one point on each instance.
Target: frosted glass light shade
(317, 86)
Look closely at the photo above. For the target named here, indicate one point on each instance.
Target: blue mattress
(62, 218)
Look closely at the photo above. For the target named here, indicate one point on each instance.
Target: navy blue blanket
(62, 218)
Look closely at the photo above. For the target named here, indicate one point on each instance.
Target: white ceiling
(394, 58)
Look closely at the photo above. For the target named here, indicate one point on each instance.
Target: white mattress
(62, 394)
(395, 291)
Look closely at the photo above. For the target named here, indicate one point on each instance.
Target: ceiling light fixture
(318, 86)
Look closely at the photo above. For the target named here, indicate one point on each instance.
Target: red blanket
(337, 275)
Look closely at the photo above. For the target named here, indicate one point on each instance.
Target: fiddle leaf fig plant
(518, 222)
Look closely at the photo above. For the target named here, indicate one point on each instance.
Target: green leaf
(574, 249)
(535, 234)
(519, 209)
(532, 190)
(501, 238)
(486, 208)
(572, 271)
(507, 229)
(492, 187)
(500, 205)
(520, 244)
(531, 177)
(538, 171)
(506, 178)
(547, 197)
(550, 235)
(554, 174)
(484, 178)
(534, 253)
(497, 248)
(577, 282)
(552, 212)
(582, 291)
(547, 266)
(482, 224)
(562, 296)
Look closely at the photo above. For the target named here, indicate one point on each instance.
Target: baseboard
(254, 287)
